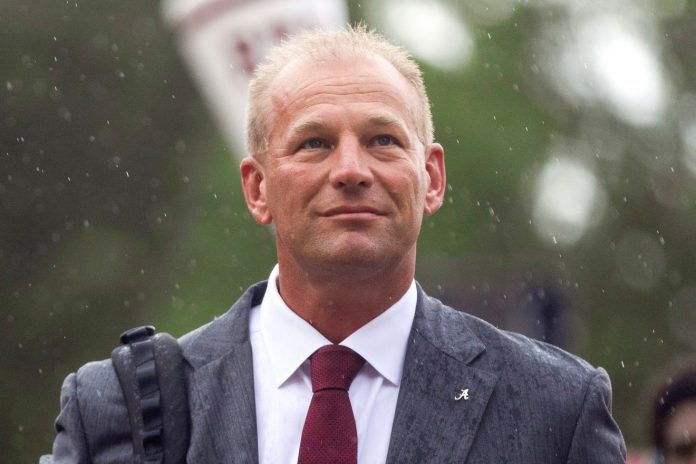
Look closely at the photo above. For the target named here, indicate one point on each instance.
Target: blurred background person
(674, 418)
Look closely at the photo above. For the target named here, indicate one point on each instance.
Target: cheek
(288, 190)
(282, 182)
(416, 180)
(408, 192)
(277, 202)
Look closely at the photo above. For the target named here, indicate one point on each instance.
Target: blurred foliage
(120, 205)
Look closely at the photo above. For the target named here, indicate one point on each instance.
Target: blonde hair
(355, 41)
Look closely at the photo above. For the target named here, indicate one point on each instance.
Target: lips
(352, 210)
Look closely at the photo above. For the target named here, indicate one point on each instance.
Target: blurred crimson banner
(223, 40)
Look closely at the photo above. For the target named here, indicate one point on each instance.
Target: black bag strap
(150, 369)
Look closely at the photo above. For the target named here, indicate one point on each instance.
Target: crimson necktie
(329, 434)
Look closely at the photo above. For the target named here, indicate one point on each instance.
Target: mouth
(353, 212)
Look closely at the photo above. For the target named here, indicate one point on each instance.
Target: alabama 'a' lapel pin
(462, 395)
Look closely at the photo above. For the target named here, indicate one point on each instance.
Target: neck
(339, 302)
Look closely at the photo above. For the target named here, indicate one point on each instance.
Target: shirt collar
(290, 340)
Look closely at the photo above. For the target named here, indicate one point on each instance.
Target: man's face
(345, 180)
(680, 435)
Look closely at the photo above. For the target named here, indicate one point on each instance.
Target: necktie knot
(334, 367)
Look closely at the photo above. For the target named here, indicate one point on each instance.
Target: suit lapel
(221, 387)
(223, 408)
(430, 424)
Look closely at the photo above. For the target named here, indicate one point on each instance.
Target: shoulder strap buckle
(137, 334)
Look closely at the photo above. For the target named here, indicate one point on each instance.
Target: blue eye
(384, 140)
(313, 144)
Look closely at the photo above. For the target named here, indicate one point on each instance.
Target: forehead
(308, 83)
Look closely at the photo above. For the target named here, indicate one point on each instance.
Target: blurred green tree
(120, 205)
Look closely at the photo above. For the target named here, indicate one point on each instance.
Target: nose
(350, 167)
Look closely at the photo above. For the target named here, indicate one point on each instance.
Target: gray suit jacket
(528, 402)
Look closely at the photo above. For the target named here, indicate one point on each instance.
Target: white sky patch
(611, 62)
(568, 195)
(432, 30)
(659, 8)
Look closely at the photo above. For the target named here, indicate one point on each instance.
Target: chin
(364, 259)
(353, 252)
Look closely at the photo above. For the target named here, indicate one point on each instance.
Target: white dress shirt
(281, 342)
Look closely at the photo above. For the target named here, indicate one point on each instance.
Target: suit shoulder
(98, 380)
(536, 397)
(99, 392)
(508, 351)
(214, 339)
(94, 416)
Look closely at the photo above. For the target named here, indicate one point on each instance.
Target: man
(343, 165)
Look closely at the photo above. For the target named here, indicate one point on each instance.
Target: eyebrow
(303, 127)
(383, 120)
(378, 120)
(397, 126)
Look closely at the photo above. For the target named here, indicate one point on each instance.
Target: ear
(436, 179)
(254, 188)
